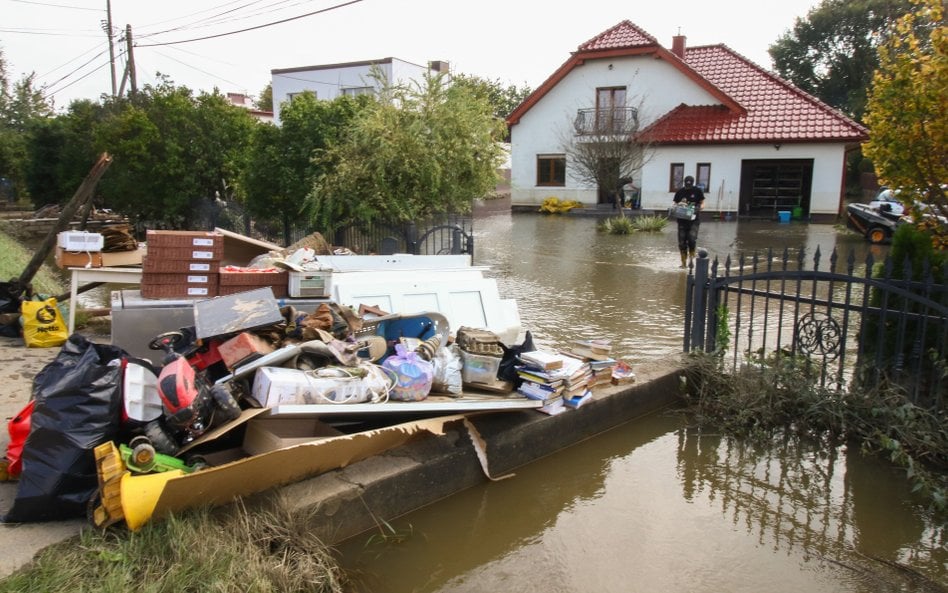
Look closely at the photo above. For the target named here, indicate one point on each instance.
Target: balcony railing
(612, 121)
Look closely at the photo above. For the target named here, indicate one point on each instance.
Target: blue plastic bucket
(783, 216)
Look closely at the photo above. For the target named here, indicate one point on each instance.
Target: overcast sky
(517, 42)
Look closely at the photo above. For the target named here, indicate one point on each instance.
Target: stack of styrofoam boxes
(181, 264)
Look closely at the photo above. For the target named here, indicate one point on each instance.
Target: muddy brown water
(655, 505)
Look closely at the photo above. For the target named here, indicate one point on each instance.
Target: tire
(160, 438)
(877, 234)
(225, 404)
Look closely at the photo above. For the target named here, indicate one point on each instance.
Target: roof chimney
(439, 66)
(678, 46)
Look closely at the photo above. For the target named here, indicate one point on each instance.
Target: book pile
(549, 377)
(622, 373)
(595, 349)
(577, 400)
(601, 371)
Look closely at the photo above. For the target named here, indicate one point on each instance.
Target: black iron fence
(858, 323)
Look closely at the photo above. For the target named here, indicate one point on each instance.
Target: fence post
(699, 306)
(456, 240)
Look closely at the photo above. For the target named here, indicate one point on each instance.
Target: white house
(329, 81)
(756, 143)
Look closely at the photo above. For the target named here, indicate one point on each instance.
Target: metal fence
(858, 324)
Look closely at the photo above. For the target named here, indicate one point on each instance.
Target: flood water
(655, 505)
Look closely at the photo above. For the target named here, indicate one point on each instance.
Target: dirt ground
(18, 366)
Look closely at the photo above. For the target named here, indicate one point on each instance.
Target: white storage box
(480, 372)
(80, 241)
(310, 284)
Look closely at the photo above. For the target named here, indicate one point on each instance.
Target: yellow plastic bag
(43, 325)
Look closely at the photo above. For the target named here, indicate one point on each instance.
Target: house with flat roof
(757, 144)
(328, 81)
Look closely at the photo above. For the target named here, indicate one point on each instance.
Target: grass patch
(265, 549)
(622, 225)
(14, 258)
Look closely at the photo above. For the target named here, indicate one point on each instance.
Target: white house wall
(725, 183)
(654, 86)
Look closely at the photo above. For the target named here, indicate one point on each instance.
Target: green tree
(831, 54)
(908, 115)
(503, 98)
(280, 171)
(20, 103)
(265, 100)
(421, 150)
(172, 153)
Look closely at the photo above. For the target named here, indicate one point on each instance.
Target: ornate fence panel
(864, 323)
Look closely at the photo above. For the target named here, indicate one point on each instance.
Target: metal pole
(700, 293)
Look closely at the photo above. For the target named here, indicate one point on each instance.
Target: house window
(291, 96)
(676, 177)
(610, 109)
(355, 91)
(703, 176)
(551, 170)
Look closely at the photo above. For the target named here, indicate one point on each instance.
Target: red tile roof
(756, 105)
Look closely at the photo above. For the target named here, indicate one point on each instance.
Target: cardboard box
(194, 279)
(270, 434)
(82, 259)
(183, 266)
(480, 372)
(257, 279)
(167, 291)
(202, 240)
(115, 259)
(187, 253)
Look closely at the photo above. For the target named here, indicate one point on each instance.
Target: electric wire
(270, 24)
(58, 5)
(198, 69)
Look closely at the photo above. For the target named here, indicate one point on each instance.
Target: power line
(198, 69)
(57, 5)
(253, 28)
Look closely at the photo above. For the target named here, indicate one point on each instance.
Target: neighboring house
(242, 100)
(756, 143)
(329, 81)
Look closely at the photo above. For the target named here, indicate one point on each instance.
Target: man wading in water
(688, 229)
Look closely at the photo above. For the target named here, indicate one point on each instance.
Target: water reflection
(658, 506)
(571, 281)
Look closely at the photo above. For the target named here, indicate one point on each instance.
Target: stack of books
(549, 377)
(622, 373)
(601, 371)
(595, 349)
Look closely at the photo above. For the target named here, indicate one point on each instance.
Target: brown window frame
(705, 183)
(676, 176)
(547, 174)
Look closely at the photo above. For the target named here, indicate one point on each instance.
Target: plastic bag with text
(43, 325)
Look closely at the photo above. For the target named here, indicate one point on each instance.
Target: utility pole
(131, 60)
(107, 25)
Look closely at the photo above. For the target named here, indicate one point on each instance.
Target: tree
(173, 153)
(607, 151)
(20, 104)
(421, 150)
(907, 112)
(832, 53)
(503, 98)
(265, 100)
(280, 171)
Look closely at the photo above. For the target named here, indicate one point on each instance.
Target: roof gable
(756, 105)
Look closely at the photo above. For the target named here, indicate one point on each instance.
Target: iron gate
(868, 324)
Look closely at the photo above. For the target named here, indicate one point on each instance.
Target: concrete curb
(347, 502)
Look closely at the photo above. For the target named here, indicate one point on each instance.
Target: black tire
(160, 439)
(226, 406)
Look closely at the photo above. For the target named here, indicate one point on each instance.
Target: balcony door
(610, 108)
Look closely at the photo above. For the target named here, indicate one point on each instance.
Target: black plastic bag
(78, 407)
(507, 371)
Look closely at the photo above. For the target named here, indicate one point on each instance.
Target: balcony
(608, 122)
